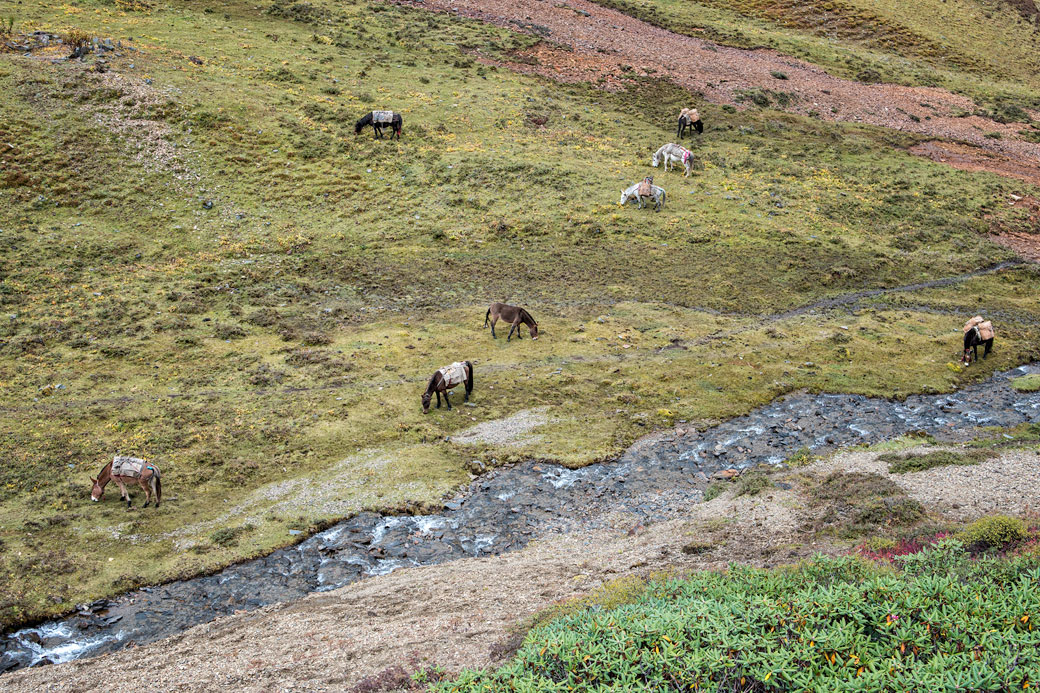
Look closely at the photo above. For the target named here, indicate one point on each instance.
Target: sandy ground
(580, 48)
(453, 614)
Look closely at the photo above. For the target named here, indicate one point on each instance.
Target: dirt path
(453, 614)
(601, 41)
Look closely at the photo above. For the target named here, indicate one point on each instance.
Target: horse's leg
(439, 397)
(494, 319)
(511, 328)
(989, 347)
(123, 492)
(147, 492)
(447, 398)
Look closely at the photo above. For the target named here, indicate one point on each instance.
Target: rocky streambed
(504, 509)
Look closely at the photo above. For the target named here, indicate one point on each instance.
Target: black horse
(369, 119)
(445, 379)
(972, 340)
(684, 122)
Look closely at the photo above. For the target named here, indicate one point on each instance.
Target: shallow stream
(504, 509)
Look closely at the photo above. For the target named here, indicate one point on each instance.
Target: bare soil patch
(589, 43)
(968, 158)
(458, 614)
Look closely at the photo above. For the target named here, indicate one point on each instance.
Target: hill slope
(203, 265)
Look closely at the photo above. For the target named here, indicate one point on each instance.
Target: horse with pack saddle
(977, 331)
(379, 120)
(128, 470)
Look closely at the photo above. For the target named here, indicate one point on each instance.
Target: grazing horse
(514, 315)
(445, 379)
(656, 196)
(673, 154)
(977, 333)
(147, 478)
(378, 120)
(689, 118)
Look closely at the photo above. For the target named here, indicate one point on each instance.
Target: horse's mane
(429, 385)
(525, 316)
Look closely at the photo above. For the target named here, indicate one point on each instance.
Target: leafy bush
(994, 532)
(902, 463)
(828, 624)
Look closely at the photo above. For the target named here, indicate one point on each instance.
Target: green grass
(907, 462)
(257, 309)
(1027, 383)
(828, 624)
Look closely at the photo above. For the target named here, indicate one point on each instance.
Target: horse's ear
(93, 480)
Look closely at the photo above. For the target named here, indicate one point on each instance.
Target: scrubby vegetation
(937, 621)
(903, 463)
(200, 264)
(994, 532)
(854, 503)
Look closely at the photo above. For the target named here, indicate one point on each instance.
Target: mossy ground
(223, 279)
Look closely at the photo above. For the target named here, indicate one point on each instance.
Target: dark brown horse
(148, 480)
(373, 118)
(514, 315)
(460, 372)
(976, 335)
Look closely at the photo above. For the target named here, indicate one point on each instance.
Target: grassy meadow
(202, 265)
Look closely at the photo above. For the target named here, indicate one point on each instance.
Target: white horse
(657, 196)
(673, 154)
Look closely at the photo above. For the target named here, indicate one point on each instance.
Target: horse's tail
(156, 484)
(469, 380)
(487, 317)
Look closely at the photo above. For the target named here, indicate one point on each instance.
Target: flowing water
(504, 509)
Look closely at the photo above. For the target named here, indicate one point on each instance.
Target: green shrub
(1027, 383)
(996, 531)
(902, 463)
(831, 624)
(228, 536)
(714, 490)
(752, 484)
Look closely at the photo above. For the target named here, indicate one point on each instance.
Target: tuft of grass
(752, 484)
(714, 490)
(851, 504)
(229, 536)
(908, 462)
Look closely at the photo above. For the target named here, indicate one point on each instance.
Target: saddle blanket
(644, 189)
(690, 113)
(972, 323)
(382, 116)
(454, 374)
(127, 466)
(986, 330)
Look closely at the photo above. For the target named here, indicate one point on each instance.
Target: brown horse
(514, 315)
(148, 480)
(445, 379)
